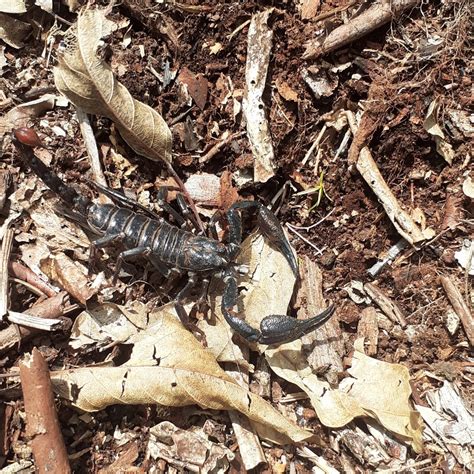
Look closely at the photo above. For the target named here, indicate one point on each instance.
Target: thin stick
(304, 239)
(42, 424)
(4, 257)
(460, 306)
(312, 226)
(186, 194)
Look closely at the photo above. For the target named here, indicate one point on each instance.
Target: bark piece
(49, 450)
(326, 343)
(389, 308)
(50, 308)
(368, 329)
(460, 306)
(258, 130)
(374, 17)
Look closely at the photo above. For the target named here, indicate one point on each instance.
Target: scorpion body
(168, 246)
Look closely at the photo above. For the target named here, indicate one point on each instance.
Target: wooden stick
(460, 306)
(4, 257)
(42, 424)
(50, 308)
(371, 19)
(388, 307)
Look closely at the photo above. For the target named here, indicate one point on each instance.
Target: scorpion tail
(25, 138)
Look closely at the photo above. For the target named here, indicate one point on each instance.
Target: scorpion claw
(272, 229)
(280, 329)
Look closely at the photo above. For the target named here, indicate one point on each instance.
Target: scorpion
(169, 247)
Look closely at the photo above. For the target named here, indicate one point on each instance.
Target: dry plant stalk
(52, 307)
(460, 306)
(374, 17)
(368, 169)
(388, 307)
(368, 329)
(42, 424)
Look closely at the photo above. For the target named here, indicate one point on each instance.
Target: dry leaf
(13, 6)
(168, 366)
(378, 390)
(13, 31)
(432, 127)
(85, 79)
(197, 86)
(21, 114)
(68, 275)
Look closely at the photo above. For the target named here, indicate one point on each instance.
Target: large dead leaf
(88, 81)
(169, 366)
(376, 389)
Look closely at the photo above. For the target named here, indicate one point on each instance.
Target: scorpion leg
(135, 252)
(270, 227)
(182, 314)
(161, 196)
(100, 243)
(274, 329)
(183, 205)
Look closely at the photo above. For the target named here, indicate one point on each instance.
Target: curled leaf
(88, 81)
(168, 366)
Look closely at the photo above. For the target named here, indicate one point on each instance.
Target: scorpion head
(203, 254)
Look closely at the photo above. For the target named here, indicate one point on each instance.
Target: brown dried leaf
(13, 31)
(21, 114)
(376, 389)
(168, 366)
(67, 274)
(87, 80)
(197, 86)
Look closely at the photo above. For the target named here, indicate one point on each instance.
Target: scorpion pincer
(170, 247)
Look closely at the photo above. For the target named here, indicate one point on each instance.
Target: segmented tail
(24, 139)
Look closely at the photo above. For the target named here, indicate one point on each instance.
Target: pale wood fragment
(460, 306)
(377, 15)
(368, 329)
(326, 344)
(389, 307)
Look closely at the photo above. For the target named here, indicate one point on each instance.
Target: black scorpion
(168, 246)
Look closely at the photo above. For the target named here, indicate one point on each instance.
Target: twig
(312, 226)
(224, 140)
(334, 11)
(316, 143)
(239, 28)
(92, 151)
(33, 321)
(50, 308)
(368, 169)
(28, 276)
(304, 239)
(460, 306)
(4, 257)
(389, 307)
(372, 18)
(42, 424)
